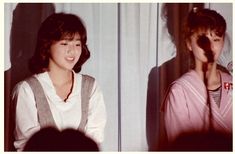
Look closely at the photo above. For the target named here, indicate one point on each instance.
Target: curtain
(136, 52)
(138, 56)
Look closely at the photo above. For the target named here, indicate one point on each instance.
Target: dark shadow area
(27, 18)
(153, 108)
(50, 139)
(161, 77)
(156, 135)
(201, 141)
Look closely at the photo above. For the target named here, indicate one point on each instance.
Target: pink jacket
(185, 108)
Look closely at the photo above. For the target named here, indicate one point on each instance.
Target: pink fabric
(185, 108)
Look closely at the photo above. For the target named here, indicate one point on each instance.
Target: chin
(68, 68)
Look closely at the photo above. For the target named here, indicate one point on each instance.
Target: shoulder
(81, 77)
(184, 85)
(189, 80)
(174, 94)
(226, 81)
(86, 80)
(178, 87)
(21, 85)
(188, 77)
(89, 82)
(25, 84)
(22, 88)
(88, 77)
(226, 76)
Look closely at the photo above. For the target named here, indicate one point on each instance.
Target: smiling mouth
(70, 58)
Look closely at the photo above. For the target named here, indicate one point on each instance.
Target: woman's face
(64, 54)
(199, 54)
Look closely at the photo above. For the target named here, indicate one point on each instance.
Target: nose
(71, 49)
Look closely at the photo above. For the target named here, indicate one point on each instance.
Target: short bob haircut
(200, 20)
(56, 27)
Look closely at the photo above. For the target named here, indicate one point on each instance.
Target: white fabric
(166, 48)
(8, 13)
(66, 115)
(226, 57)
(138, 56)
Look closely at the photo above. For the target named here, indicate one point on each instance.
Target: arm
(26, 121)
(176, 113)
(96, 115)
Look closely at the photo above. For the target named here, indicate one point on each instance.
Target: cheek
(195, 48)
(218, 47)
(52, 52)
(218, 52)
(79, 53)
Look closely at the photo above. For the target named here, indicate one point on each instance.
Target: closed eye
(77, 42)
(64, 44)
(216, 40)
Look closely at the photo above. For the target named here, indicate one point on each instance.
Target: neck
(60, 77)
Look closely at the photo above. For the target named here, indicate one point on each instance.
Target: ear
(189, 46)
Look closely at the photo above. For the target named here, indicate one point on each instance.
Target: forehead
(71, 36)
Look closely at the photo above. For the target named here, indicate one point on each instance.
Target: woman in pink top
(191, 104)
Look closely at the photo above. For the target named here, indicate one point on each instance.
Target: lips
(70, 58)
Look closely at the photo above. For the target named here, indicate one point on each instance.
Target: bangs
(69, 36)
(206, 20)
(219, 31)
(204, 30)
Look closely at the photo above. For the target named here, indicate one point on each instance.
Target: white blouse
(66, 115)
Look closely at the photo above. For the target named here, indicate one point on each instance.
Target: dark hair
(204, 19)
(56, 27)
(51, 139)
(201, 141)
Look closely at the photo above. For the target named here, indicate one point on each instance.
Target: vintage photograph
(119, 77)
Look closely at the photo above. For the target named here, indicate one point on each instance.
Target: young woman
(186, 107)
(60, 53)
